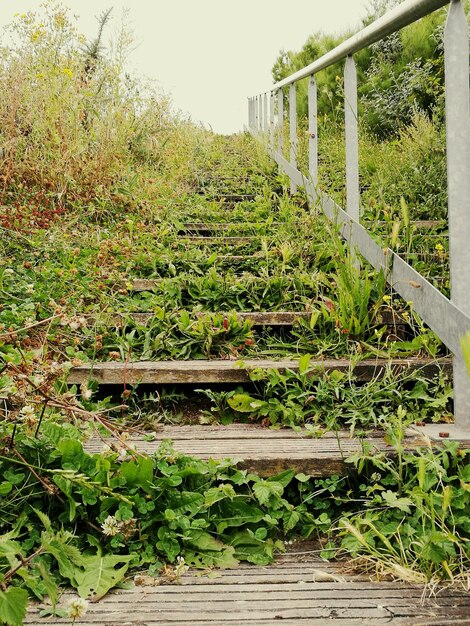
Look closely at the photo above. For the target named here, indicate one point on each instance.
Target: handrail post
(255, 113)
(312, 131)
(280, 121)
(260, 113)
(456, 52)
(293, 131)
(265, 113)
(351, 132)
(271, 120)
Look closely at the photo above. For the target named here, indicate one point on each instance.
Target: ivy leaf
(100, 575)
(13, 605)
(393, 501)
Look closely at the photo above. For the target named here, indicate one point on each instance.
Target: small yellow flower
(67, 72)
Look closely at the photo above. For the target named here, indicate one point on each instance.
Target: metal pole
(265, 114)
(280, 121)
(352, 149)
(271, 120)
(456, 52)
(293, 132)
(260, 114)
(312, 131)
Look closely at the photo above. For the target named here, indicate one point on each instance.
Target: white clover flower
(74, 325)
(180, 567)
(8, 271)
(105, 449)
(27, 412)
(77, 608)
(110, 526)
(86, 392)
(30, 289)
(122, 454)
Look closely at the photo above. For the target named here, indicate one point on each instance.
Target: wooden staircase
(300, 588)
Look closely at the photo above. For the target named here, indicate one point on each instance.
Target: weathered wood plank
(227, 371)
(236, 598)
(225, 241)
(257, 318)
(268, 452)
(209, 227)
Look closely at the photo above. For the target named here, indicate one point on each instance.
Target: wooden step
(227, 371)
(257, 318)
(147, 284)
(222, 226)
(388, 317)
(299, 589)
(223, 241)
(265, 451)
(417, 224)
(227, 197)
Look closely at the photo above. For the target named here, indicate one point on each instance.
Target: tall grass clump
(73, 123)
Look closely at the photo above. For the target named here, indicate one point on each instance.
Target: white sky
(210, 55)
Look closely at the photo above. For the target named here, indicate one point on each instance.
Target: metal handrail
(450, 319)
(399, 17)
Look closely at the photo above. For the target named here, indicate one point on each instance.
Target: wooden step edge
(223, 226)
(147, 284)
(420, 224)
(257, 451)
(257, 318)
(226, 197)
(218, 240)
(227, 371)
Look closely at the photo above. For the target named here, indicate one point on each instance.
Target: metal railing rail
(449, 319)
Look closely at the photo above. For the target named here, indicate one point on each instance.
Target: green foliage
(331, 400)
(119, 509)
(414, 522)
(13, 605)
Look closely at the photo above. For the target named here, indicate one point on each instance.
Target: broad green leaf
(283, 478)
(241, 402)
(249, 548)
(304, 363)
(202, 540)
(49, 582)
(291, 519)
(392, 500)
(69, 558)
(216, 494)
(100, 575)
(5, 488)
(139, 473)
(46, 522)
(189, 502)
(264, 489)
(72, 453)
(237, 513)
(13, 605)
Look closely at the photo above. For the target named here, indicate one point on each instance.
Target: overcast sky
(210, 55)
